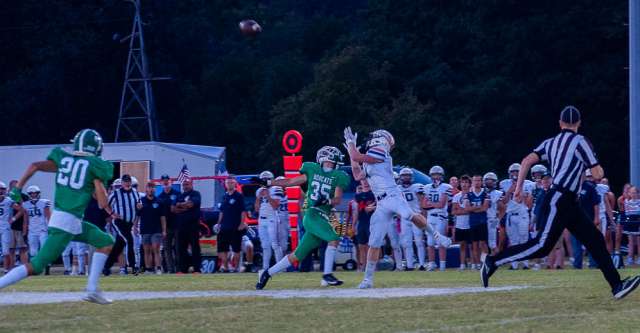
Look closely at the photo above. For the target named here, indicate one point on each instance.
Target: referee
(568, 155)
(123, 201)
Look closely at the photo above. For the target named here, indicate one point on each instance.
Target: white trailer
(144, 160)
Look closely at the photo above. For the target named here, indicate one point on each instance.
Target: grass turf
(568, 301)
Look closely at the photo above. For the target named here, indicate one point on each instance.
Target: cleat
(421, 268)
(431, 268)
(97, 297)
(365, 284)
(65, 272)
(625, 287)
(263, 278)
(487, 269)
(330, 280)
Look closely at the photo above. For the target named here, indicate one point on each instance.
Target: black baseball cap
(165, 176)
(126, 178)
(570, 115)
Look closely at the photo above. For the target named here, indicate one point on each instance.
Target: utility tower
(137, 114)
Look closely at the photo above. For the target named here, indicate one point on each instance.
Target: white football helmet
(134, 181)
(514, 167)
(329, 154)
(436, 169)
(490, 175)
(381, 138)
(406, 176)
(33, 189)
(266, 175)
(3, 185)
(280, 178)
(538, 169)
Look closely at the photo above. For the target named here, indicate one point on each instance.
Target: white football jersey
(462, 221)
(37, 219)
(602, 190)
(283, 210)
(380, 175)
(433, 193)
(266, 210)
(6, 212)
(494, 197)
(527, 189)
(411, 195)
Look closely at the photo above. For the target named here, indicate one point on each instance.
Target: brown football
(249, 28)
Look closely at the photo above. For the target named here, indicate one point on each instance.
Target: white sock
(526, 263)
(397, 257)
(421, 252)
(13, 276)
(514, 265)
(370, 269)
(329, 259)
(66, 260)
(443, 265)
(408, 254)
(280, 266)
(266, 257)
(97, 265)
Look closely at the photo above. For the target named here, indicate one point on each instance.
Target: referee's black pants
(124, 238)
(562, 210)
(189, 238)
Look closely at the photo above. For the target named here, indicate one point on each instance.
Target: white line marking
(12, 298)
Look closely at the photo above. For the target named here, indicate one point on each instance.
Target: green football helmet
(87, 142)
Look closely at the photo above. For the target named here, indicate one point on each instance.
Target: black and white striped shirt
(569, 154)
(123, 203)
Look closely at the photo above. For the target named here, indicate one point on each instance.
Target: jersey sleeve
(541, 151)
(377, 153)
(586, 154)
(308, 169)
(56, 155)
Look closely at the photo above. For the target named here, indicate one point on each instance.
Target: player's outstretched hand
(258, 181)
(349, 136)
(16, 194)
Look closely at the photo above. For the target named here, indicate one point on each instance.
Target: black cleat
(263, 278)
(407, 269)
(625, 287)
(330, 280)
(487, 269)
(422, 268)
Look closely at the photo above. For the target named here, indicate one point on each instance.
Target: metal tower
(136, 118)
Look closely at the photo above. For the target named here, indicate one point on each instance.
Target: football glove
(349, 136)
(16, 194)
(260, 181)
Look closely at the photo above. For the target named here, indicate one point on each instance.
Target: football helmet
(490, 176)
(381, 138)
(33, 191)
(87, 142)
(436, 169)
(266, 175)
(514, 167)
(538, 170)
(406, 176)
(3, 185)
(329, 154)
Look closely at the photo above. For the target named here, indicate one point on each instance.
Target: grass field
(557, 301)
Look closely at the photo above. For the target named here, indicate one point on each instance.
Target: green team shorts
(316, 229)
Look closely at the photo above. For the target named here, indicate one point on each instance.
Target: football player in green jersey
(79, 175)
(325, 184)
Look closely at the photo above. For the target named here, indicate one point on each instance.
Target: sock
(421, 252)
(97, 265)
(13, 276)
(408, 254)
(397, 257)
(280, 266)
(526, 263)
(266, 257)
(66, 260)
(329, 259)
(369, 270)
(443, 265)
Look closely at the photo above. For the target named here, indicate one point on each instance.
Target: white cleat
(365, 284)
(97, 297)
(442, 240)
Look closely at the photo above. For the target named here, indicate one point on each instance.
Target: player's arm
(337, 196)
(525, 166)
(596, 214)
(47, 213)
(501, 208)
(288, 182)
(256, 205)
(25, 223)
(350, 140)
(528, 200)
(101, 197)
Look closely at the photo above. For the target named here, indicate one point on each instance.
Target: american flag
(184, 173)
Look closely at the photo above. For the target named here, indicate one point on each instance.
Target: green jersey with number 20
(74, 179)
(321, 184)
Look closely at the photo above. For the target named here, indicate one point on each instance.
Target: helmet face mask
(406, 176)
(382, 138)
(436, 173)
(329, 157)
(87, 142)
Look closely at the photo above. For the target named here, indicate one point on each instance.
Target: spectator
(461, 209)
(590, 204)
(631, 227)
(455, 185)
(123, 201)
(617, 258)
(187, 210)
(362, 217)
(479, 203)
(19, 229)
(230, 226)
(153, 228)
(168, 196)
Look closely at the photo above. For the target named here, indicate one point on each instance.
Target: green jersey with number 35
(321, 184)
(74, 179)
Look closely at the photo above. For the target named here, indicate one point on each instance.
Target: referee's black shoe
(263, 278)
(625, 287)
(487, 269)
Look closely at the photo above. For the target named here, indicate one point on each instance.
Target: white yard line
(12, 298)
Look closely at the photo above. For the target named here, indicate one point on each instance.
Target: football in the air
(249, 28)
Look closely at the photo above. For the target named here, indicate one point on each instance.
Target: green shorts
(316, 229)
